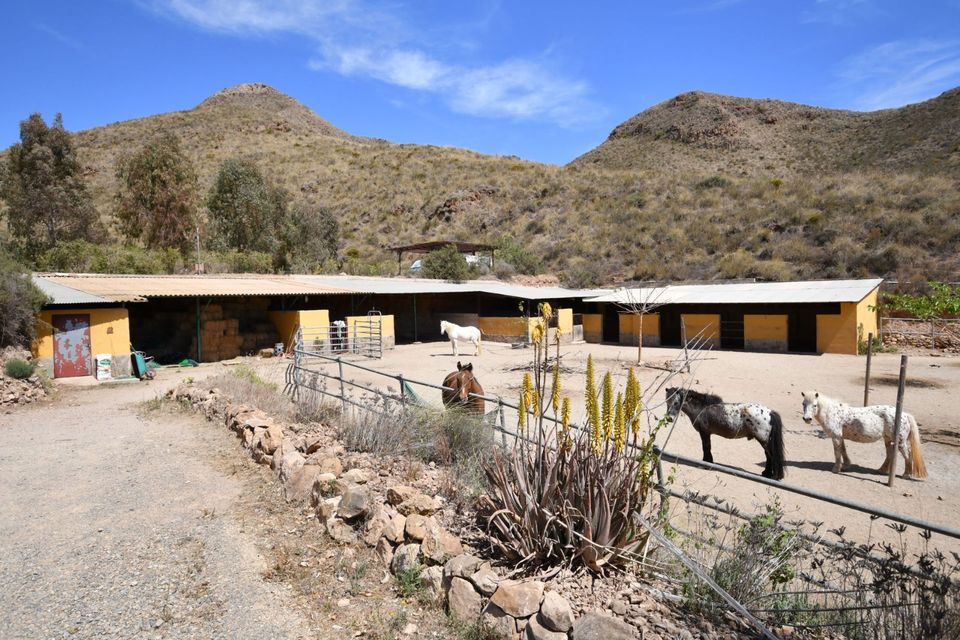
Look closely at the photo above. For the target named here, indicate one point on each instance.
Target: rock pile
(16, 392)
(920, 335)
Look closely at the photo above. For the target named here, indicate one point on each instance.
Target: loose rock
(593, 626)
(519, 599)
(463, 602)
(555, 612)
(354, 503)
(405, 558)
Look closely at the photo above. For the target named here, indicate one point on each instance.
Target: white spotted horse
(710, 415)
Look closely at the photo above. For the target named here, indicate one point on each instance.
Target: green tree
(157, 201)
(445, 264)
(47, 200)
(311, 239)
(245, 213)
(20, 302)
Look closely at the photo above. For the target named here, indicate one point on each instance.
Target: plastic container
(104, 366)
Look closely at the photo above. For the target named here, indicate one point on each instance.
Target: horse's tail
(919, 468)
(775, 448)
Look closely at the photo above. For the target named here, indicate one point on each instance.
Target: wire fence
(338, 379)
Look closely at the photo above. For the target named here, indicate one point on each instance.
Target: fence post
(892, 449)
(866, 377)
(503, 422)
(343, 391)
(683, 338)
(403, 395)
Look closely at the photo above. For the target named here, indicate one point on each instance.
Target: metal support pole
(892, 449)
(866, 377)
(199, 348)
(503, 422)
(415, 339)
(403, 393)
(343, 391)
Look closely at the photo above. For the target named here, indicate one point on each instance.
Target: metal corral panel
(425, 285)
(811, 291)
(115, 288)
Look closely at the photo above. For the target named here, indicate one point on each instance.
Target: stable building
(820, 316)
(210, 318)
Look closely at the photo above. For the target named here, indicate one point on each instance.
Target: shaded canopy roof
(426, 247)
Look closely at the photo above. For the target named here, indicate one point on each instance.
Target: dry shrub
(245, 386)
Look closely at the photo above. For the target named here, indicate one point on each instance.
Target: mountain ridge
(699, 186)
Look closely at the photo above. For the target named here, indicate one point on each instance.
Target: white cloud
(366, 40)
(901, 72)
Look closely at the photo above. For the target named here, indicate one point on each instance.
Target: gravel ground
(114, 526)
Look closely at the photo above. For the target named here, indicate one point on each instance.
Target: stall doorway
(802, 332)
(71, 346)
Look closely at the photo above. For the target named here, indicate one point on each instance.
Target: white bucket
(104, 366)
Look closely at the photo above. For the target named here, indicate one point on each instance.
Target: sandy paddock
(772, 379)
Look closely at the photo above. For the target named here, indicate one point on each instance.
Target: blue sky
(541, 80)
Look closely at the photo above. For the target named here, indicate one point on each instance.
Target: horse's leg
(907, 459)
(766, 467)
(476, 347)
(453, 341)
(705, 441)
(888, 456)
(838, 455)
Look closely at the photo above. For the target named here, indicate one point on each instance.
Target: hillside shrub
(18, 369)
(80, 256)
(521, 258)
(713, 182)
(20, 303)
(446, 264)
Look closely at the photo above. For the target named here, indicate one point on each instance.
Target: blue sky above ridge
(541, 80)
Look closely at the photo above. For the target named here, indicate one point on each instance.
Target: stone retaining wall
(357, 501)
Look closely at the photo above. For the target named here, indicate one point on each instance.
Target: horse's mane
(698, 396)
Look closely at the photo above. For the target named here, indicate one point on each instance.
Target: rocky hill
(708, 132)
(699, 186)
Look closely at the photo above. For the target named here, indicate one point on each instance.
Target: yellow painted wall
(387, 334)
(867, 314)
(592, 327)
(837, 333)
(708, 323)
(565, 324)
(765, 332)
(630, 325)
(109, 333)
(497, 329)
(287, 322)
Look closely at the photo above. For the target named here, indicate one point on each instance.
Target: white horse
(866, 424)
(457, 333)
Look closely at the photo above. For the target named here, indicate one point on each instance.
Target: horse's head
(463, 383)
(674, 402)
(811, 405)
(443, 327)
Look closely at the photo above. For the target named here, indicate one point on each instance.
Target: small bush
(19, 369)
(20, 302)
(446, 264)
(409, 582)
(714, 182)
(521, 258)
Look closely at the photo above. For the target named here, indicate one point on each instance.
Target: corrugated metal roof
(96, 288)
(60, 294)
(810, 291)
(138, 288)
(424, 285)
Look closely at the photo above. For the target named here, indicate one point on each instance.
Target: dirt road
(114, 526)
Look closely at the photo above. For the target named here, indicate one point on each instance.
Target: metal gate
(362, 336)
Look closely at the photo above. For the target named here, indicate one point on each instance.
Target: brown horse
(463, 383)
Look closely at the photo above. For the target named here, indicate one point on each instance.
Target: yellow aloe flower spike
(607, 409)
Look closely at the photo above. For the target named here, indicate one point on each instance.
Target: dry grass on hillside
(700, 187)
